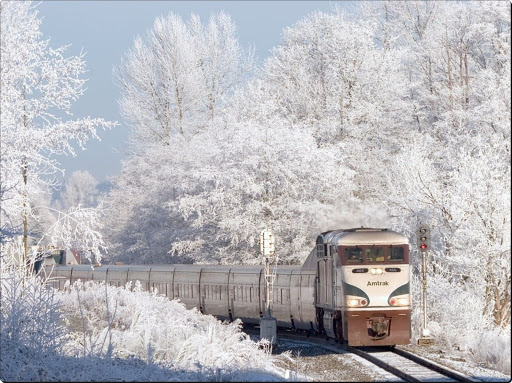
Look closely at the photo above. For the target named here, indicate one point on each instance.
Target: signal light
(267, 243)
(423, 236)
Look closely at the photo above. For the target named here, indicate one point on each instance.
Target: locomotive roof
(368, 237)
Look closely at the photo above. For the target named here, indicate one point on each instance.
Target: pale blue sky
(106, 29)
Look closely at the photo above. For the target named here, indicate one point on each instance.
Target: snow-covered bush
(492, 347)
(108, 321)
(31, 332)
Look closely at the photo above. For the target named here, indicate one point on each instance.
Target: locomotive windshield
(396, 254)
(373, 254)
(353, 255)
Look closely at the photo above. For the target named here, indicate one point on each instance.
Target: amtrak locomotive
(353, 287)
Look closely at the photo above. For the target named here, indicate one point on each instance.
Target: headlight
(394, 301)
(358, 302)
(403, 301)
(376, 271)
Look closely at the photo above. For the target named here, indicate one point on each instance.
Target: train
(354, 287)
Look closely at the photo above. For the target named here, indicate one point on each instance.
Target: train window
(319, 251)
(374, 254)
(353, 255)
(396, 254)
(335, 252)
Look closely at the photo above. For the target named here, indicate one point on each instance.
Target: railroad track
(407, 366)
(402, 364)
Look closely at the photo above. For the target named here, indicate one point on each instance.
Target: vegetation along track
(404, 365)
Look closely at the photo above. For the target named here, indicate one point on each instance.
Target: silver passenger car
(227, 292)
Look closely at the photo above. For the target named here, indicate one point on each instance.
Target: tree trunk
(26, 204)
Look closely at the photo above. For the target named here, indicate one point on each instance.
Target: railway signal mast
(268, 324)
(423, 241)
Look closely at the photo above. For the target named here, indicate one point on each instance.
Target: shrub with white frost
(93, 332)
(31, 332)
(109, 321)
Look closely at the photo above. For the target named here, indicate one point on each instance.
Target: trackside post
(268, 324)
(423, 236)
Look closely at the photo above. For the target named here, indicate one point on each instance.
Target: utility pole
(268, 324)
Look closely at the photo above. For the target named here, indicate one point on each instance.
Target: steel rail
(385, 366)
(434, 366)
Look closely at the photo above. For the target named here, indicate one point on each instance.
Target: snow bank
(460, 327)
(94, 332)
(108, 321)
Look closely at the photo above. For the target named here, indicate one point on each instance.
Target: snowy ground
(97, 333)
(100, 333)
(317, 364)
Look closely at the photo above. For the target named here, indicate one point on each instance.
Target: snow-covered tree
(174, 82)
(175, 78)
(328, 73)
(39, 86)
(81, 188)
(455, 171)
(140, 226)
(251, 177)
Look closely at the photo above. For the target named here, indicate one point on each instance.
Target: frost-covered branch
(79, 229)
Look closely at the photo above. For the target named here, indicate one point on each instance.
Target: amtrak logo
(377, 283)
